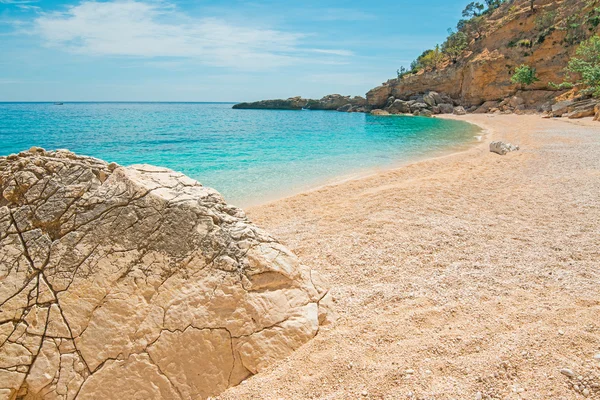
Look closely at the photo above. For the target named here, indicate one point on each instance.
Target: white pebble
(567, 372)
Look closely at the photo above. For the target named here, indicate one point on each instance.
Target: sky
(199, 50)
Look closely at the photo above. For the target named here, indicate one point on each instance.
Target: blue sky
(195, 50)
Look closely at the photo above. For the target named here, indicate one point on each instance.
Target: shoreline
(371, 171)
(470, 273)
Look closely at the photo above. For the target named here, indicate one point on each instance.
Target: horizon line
(115, 101)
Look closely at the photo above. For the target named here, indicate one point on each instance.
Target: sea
(249, 156)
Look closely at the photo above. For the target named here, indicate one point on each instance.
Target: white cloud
(344, 53)
(157, 29)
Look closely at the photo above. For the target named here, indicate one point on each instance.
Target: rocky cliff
(512, 35)
(138, 282)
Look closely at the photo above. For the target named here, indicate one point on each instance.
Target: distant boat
(58, 104)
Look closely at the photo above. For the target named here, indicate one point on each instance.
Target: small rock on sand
(567, 372)
(502, 148)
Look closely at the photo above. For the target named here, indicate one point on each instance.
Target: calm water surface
(248, 155)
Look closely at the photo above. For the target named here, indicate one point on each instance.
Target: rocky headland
(478, 78)
(330, 102)
(138, 282)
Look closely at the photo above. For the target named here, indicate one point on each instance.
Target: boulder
(515, 101)
(390, 101)
(424, 112)
(138, 282)
(432, 99)
(399, 107)
(486, 107)
(582, 109)
(460, 110)
(417, 98)
(502, 148)
(345, 108)
(417, 107)
(429, 99)
(333, 102)
(446, 108)
(358, 101)
(360, 109)
(377, 97)
(561, 108)
(545, 108)
(444, 98)
(581, 113)
(379, 112)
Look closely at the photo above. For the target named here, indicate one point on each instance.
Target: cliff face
(513, 35)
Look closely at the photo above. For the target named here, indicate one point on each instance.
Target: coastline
(372, 171)
(465, 275)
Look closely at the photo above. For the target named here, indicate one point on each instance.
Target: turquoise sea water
(250, 156)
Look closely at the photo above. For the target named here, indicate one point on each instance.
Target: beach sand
(468, 276)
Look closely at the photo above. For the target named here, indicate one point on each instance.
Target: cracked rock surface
(138, 282)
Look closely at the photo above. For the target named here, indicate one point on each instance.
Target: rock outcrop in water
(329, 102)
(138, 282)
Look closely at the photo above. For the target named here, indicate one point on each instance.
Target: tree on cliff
(455, 44)
(525, 76)
(473, 27)
(473, 9)
(586, 64)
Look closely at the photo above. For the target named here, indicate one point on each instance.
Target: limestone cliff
(512, 35)
(138, 282)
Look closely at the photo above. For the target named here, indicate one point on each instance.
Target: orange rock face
(513, 36)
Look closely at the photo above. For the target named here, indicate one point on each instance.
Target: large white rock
(502, 148)
(138, 282)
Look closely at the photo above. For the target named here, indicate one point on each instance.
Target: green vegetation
(524, 75)
(475, 23)
(545, 20)
(525, 43)
(593, 18)
(470, 28)
(586, 66)
(574, 28)
(455, 44)
(402, 72)
(429, 60)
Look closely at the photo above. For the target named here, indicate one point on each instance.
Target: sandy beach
(469, 276)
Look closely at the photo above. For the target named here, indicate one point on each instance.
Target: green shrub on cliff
(430, 59)
(586, 66)
(524, 75)
(471, 27)
(455, 44)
